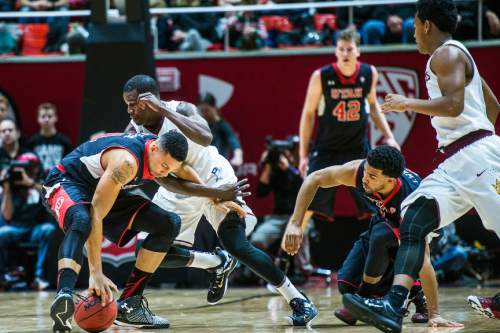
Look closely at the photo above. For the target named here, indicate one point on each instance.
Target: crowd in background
(246, 30)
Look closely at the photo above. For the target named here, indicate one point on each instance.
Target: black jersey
(389, 208)
(343, 119)
(83, 164)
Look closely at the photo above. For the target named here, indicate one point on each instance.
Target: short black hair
(143, 84)
(207, 98)
(175, 144)
(443, 13)
(388, 159)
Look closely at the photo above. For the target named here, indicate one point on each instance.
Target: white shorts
(191, 209)
(468, 179)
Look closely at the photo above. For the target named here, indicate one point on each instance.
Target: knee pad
(157, 243)
(77, 229)
(421, 218)
(346, 288)
(382, 236)
(231, 233)
(78, 219)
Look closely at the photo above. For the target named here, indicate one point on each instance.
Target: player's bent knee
(157, 243)
(421, 218)
(78, 220)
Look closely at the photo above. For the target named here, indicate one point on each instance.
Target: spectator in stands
(7, 5)
(49, 144)
(280, 175)
(389, 24)
(492, 13)
(5, 110)
(223, 134)
(21, 207)
(58, 26)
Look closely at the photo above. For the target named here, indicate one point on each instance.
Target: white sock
(205, 260)
(288, 290)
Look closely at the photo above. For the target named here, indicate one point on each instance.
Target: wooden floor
(242, 310)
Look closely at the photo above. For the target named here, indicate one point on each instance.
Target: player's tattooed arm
(492, 105)
(120, 168)
(123, 172)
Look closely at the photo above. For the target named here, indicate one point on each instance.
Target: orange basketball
(91, 316)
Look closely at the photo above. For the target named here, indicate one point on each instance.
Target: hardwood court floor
(242, 310)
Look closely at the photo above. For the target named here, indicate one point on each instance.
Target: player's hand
(101, 286)
(292, 239)
(230, 192)
(394, 103)
(149, 100)
(393, 143)
(438, 321)
(303, 166)
(231, 206)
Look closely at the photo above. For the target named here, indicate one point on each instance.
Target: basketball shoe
(219, 275)
(303, 313)
(487, 306)
(61, 311)
(134, 312)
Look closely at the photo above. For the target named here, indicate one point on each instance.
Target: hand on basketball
(102, 287)
(230, 192)
(149, 100)
(394, 103)
(438, 321)
(292, 239)
(231, 206)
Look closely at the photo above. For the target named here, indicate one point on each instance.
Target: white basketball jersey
(472, 118)
(200, 158)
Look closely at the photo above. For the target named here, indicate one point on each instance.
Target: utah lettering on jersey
(346, 93)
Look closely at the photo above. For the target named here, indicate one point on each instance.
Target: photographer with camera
(22, 211)
(281, 176)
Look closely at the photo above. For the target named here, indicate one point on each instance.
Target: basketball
(91, 316)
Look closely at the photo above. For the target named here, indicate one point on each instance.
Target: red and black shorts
(61, 193)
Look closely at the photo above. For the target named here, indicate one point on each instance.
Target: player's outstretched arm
(430, 286)
(449, 64)
(306, 127)
(227, 192)
(120, 167)
(328, 177)
(376, 113)
(184, 115)
(492, 105)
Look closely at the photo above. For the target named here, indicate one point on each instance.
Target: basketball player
(85, 194)
(150, 115)
(463, 110)
(384, 181)
(338, 93)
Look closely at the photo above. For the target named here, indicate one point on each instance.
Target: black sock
(367, 289)
(66, 278)
(397, 296)
(136, 283)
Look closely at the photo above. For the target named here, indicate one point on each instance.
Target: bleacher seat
(321, 19)
(276, 22)
(34, 38)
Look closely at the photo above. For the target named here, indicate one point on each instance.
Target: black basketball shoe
(62, 310)
(219, 276)
(374, 311)
(134, 312)
(303, 313)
